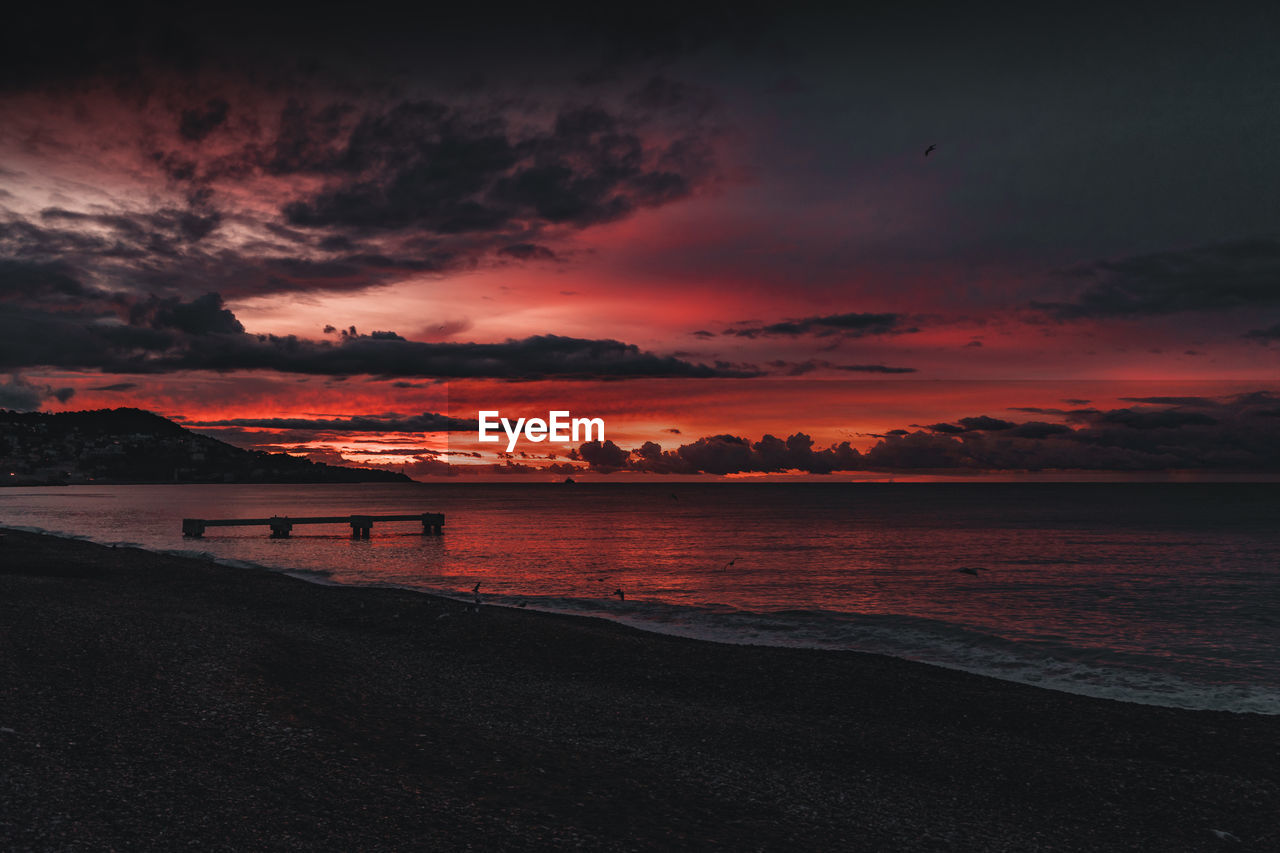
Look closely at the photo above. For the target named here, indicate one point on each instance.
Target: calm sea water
(1159, 593)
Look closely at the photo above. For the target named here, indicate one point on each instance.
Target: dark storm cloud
(1236, 274)
(204, 315)
(368, 194)
(605, 455)
(536, 357)
(974, 424)
(22, 396)
(800, 368)
(851, 325)
(1233, 433)
(427, 165)
(53, 286)
(1162, 419)
(1039, 429)
(724, 454)
(528, 252)
(1081, 415)
(39, 327)
(116, 386)
(986, 422)
(425, 422)
(1172, 401)
(1243, 433)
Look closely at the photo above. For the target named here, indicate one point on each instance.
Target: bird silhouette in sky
(622, 596)
(728, 564)
(929, 150)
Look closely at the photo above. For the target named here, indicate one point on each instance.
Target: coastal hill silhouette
(133, 445)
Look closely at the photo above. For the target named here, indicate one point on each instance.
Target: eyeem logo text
(559, 426)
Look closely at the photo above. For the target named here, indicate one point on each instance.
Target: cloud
(973, 424)
(165, 336)
(528, 252)
(603, 456)
(985, 422)
(723, 454)
(205, 315)
(1171, 433)
(22, 396)
(800, 368)
(1240, 432)
(49, 318)
(852, 325)
(1234, 274)
(319, 191)
(451, 171)
(426, 422)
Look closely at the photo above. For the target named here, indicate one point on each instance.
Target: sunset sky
(344, 235)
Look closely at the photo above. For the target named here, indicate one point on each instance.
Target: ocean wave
(1050, 663)
(1057, 666)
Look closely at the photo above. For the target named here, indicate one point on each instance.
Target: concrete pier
(282, 525)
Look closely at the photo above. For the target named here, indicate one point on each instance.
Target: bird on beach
(969, 570)
(476, 588)
(929, 150)
(622, 596)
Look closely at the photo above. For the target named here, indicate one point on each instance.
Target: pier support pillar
(280, 528)
(192, 527)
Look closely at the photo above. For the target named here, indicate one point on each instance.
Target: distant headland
(136, 446)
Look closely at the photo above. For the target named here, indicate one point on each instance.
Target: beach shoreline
(151, 701)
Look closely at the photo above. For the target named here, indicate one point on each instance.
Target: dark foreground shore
(151, 702)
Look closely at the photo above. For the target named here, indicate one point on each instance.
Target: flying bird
(622, 596)
(929, 150)
(1224, 835)
(970, 570)
(728, 564)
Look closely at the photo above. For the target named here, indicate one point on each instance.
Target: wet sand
(154, 702)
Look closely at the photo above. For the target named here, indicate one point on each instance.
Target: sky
(343, 234)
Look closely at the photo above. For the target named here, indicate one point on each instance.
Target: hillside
(132, 445)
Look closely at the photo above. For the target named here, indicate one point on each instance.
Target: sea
(1158, 593)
